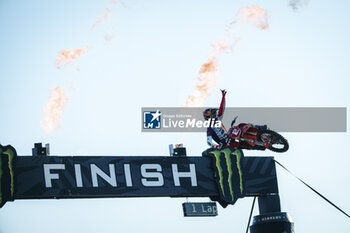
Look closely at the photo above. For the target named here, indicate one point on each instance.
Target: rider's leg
(261, 127)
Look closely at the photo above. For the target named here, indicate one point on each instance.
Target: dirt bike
(251, 137)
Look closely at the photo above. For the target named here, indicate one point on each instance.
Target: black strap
(250, 216)
(326, 199)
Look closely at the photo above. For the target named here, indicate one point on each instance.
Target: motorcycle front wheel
(276, 142)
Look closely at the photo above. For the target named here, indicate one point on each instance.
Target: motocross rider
(218, 134)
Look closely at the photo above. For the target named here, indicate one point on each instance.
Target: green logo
(229, 173)
(7, 155)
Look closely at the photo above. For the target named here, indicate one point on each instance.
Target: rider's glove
(223, 92)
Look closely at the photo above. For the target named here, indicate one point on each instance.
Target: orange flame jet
(209, 72)
(67, 56)
(54, 110)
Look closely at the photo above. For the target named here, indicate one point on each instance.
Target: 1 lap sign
(200, 209)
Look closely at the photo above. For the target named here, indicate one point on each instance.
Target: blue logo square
(152, 119)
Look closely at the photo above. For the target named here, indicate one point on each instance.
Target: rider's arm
(222, 104)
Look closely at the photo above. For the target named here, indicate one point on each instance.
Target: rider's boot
(261, 127)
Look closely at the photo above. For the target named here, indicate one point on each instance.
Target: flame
(209, 71)
(67, 56)
(54, 110)
(207, 78)
(254, 15)
(103, 17)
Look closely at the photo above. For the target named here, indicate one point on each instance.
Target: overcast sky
(148, 53)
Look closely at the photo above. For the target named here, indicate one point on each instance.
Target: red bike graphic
(248, 136)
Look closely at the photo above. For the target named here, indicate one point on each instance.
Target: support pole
(270, 218)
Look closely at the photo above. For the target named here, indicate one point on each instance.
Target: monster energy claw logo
(7, 155)
(229, 171)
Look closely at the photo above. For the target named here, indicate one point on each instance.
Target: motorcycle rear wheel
(277, 142)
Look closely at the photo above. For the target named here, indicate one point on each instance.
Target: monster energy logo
(9, 152)
(0, 175)
(228, 166)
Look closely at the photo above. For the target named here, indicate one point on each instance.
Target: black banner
(113, 176)
(38, 177)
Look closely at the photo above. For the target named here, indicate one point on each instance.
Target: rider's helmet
(210, 113)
